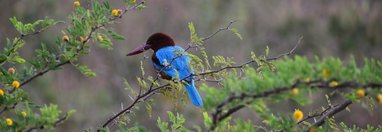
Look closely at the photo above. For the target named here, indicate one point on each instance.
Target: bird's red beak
(139, 49)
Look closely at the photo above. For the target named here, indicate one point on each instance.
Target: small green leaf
(115, 35)
(236, 32)
(3, 58)
(19, 59)
(86, 70)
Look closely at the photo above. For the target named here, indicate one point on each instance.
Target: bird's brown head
(154, 42)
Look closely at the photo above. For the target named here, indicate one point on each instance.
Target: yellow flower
(24, 114)
(76, 3)
(333, 83)
(115, 12)
(1, 92)
(298, 115)
(11, 70)
(9, 121)
(325, 73)
(379, 97)
(361, 93)
(294, 91)
(16, 84)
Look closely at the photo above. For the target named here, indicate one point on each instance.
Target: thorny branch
(220, 115)
(330, 113)
(58, 122)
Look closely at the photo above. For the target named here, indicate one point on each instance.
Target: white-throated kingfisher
(171, 61)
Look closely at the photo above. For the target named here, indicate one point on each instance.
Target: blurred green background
(340, 28)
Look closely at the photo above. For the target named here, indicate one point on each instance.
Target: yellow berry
(115, 12)
(361, 93)
(16, 84)
(24, 114)
(298, 115)
(1, 92)
(325, 73)
(9, 121)
(11, 70)
(333, 83)
(76, 3)
(379, 97)
(294, 91)
(100, 38)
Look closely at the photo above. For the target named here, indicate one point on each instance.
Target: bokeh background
(340, 28)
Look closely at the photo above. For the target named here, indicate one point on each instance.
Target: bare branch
(331, 113)
(220, 30)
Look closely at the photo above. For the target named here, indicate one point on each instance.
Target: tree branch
(57, 123)
(220, 115)
(42, 72)
(331, 112)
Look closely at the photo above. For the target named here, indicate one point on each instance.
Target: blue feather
(178, 69)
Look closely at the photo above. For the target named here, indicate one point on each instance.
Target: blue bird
(171, 61)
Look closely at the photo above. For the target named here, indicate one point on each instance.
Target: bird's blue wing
(176, 57)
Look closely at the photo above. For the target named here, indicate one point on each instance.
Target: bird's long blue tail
(194, 94)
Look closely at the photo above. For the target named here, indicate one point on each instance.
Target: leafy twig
(58, 122)
(220, 115)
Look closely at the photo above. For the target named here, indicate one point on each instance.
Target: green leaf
(236, 32)
(18, 59)
(207, 120)
(163, 126)
(193, 36)
(115, 35)
(3, 58)
(85, 70)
